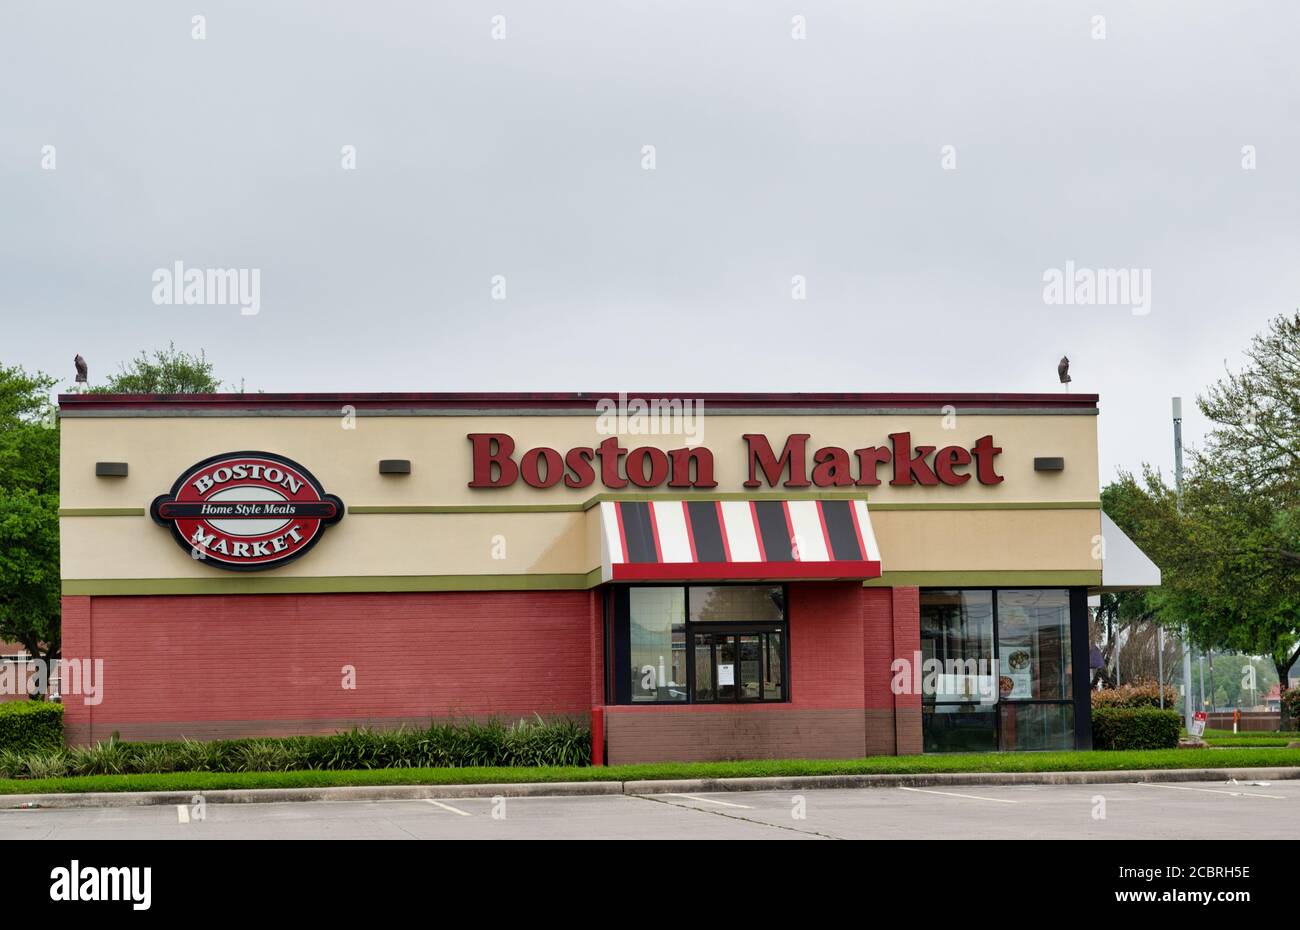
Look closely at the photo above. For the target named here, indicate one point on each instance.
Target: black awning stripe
(706, 530)
(777, 544)
(841, 530)
(638, 530)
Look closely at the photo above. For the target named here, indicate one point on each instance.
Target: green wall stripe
(243, 584)
(1065, 578)
(987, 505)
(101, 587)
(468, 508)
(730, 496)
(101, 511)
(587, 505)
(591, 502)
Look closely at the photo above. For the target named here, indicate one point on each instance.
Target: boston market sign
(900, 463)
(247, 511)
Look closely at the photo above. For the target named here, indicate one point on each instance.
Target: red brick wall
(242, 665)
(907, 644)
(826, 644)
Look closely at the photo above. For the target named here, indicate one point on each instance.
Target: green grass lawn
(1257, 739)
(1235, 757)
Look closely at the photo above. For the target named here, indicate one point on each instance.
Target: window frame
(1079, 699)
(619, 613)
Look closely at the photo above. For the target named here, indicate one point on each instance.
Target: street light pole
(1119, 639)
(1188, 712)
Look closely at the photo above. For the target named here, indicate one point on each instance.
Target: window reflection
(1034, 645)
(1012, 694)
(657, 637)
(732, 636)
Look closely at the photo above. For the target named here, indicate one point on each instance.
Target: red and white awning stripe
(755, 539)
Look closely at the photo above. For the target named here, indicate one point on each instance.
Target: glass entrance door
(739, 666)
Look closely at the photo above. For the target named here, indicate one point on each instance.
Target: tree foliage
(29, 513)
(30, 585)
(166, 371)
(1230, 557)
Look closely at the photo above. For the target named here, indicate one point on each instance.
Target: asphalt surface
(1189, 810)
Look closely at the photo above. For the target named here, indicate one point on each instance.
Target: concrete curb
(593, 788)
(951, 779)
(280, 795)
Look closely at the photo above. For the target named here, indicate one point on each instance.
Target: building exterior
(705, 577)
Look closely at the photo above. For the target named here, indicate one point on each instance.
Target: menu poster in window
(1016, 662)
(726, 675)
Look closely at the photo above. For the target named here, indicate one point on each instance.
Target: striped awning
(770, 540)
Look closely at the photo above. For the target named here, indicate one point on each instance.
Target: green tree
(166, 371)
(1134, 612)
(30, 584)
(29, 513)
(1230, 560)
(1249, 478)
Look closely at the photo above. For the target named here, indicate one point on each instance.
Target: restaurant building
(716, 576)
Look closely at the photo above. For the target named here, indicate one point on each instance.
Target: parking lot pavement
(1201, 810)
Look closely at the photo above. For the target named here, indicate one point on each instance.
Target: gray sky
(774, 157)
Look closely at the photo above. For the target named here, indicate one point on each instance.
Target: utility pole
(1178, 490)
(1211, 681)
(1118, 639)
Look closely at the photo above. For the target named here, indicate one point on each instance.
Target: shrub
(1291, 698)
(535, 742)
(109, 757)
(194, 755)
(46, 764)
(1135, 728)
(263, 755)
(31, 726)
(563, 742)
(1138, 694)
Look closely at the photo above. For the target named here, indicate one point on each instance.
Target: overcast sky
(774, 156)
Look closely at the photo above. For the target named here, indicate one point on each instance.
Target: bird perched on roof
(1063, 370)
(83, 373)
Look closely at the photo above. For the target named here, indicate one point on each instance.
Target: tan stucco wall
(158, 449)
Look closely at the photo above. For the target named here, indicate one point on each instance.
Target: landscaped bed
(477, 775)
(1259, 738)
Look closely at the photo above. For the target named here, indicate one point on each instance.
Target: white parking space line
(692, 797)
(182, 814)
(1235, 794)
(447, 807)
(950, 794)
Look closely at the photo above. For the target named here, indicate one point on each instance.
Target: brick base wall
(703, 733)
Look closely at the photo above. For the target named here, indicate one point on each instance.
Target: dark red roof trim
(565, 400)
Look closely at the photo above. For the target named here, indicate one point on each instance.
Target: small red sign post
(1198, 724)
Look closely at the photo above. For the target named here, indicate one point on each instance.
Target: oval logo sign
(247, 511)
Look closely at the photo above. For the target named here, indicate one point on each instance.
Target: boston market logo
(247, 511)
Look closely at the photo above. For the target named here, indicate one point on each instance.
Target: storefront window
(957, 646)
(1037, 726)
(736, 638)
(997, 670)
(726, 603)
(657, 639)
(960, 728)
(1034, 645)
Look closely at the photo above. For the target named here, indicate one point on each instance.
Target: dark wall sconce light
(394, 466)
(1049, 463)
(110, 469)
